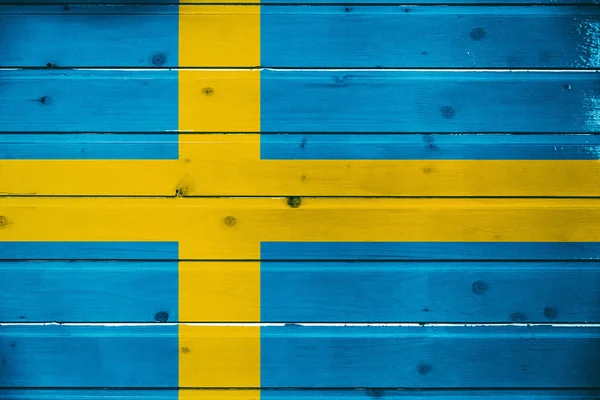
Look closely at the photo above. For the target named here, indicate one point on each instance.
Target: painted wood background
(299, 200)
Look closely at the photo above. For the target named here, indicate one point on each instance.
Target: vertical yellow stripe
(223, 100)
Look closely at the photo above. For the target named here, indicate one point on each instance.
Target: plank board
(299, 101)
(300, 36)
(300, 164)
(449, 292)
(300, 356)
(275, 394)
(385, 101)
(476, 2)
(233, 228)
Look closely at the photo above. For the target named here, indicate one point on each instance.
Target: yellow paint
(216, 101)
(199, 224)
(219, 101)
(213, 164)
(219, 36)
(219, 291)
(219, 356)
(242, 394)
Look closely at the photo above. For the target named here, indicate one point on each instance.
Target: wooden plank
(425, 357)
(89, 36)
(233, 228)
(405, 37)
(89, 291)
(392, 101)
(276, 291)
(426, 251)
(300, 164)
(88, 101)
(88, 356)
(301, 356)
(250, 394)
(109, 251)
(83, 146)
(300, 36)
(475, 2)
(429, 292)
(322, 101)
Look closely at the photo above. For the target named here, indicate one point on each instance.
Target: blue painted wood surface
(428, 147)
(312, 101)
(88, 356)
(300, 36)
(275, 394)
(89, 291)
(386, 101)
(436, 36)
(476, 2)
(88, 101)
(89, 36)
(89, 146)
(155, 146)
(301, 356)
(451, 292)
(89, 251)
(451, 357)
(501, 251)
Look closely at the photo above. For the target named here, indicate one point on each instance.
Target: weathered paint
(437, 282)
(241, 165)
(300, 36)
(299, 356)
(323, 101)
(233, 228)
(542, 253)
(278, 394)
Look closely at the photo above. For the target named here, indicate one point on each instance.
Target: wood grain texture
(429, 292)
(89, 36)
(302, 164)
(385, 101)
(340, 101)
(300, 36)
(233, 228)
(302, 356)
(274, 394)
(89, 356)
(89, 291)
(227, 291)
(429, 36)
(475, 2)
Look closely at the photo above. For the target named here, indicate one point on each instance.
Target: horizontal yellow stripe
(231, 165)
(234, 228)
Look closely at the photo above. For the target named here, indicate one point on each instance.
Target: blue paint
(428, 36)
(91, 394)
(371, 394)
(429, 357)
(429, 147)
(89, 291)
(90, 36)
(450, 292)
(89, 251)
(294, 394)
(426, 102)
(89, 101)
(153, 146)
(58, 356)
(430, 251)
